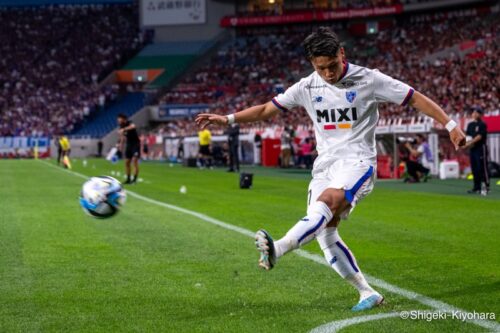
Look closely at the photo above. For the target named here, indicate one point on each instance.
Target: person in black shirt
(477, 132)
(99, 148)
(233, 140)
(180, 149)
(129, 137)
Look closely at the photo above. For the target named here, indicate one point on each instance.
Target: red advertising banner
(309, 16)
(493, 123)
(271, 149)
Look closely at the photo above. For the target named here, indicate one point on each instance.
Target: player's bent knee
(333, 198)
(335, 221)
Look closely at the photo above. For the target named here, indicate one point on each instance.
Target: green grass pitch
(154, 269)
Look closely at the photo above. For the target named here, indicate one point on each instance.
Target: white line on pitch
(337, 325)
(431, 302)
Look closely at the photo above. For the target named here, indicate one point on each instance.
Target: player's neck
(345, 69)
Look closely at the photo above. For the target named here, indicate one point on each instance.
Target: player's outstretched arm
(427, 106)
(250, 115)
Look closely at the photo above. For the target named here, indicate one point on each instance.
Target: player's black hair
(322, 42)
(122, 116)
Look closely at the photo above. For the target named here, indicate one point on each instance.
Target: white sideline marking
(336, 326)
(431, 302)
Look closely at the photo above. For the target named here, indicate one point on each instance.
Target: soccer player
(341, 99)
(204, 154)
(64, 149)
(129, 137)
(477, 130)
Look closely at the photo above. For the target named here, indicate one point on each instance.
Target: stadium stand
(172, 57)
(401, 53)
(104, 122)
(247, 70)
(52, 60)
(49, 83)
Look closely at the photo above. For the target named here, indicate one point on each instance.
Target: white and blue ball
(102, 197)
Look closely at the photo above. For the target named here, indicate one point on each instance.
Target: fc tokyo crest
(350, 96)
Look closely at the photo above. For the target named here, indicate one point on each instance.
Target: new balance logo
(337, 116)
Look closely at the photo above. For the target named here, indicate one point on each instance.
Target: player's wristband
(451, 125)
(230, 119)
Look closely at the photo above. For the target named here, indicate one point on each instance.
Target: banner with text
(172, 12)
(310, 16)
(175, 111)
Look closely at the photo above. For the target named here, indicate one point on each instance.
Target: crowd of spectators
(254, 68)
(243, 73)
(53, 59)
(458, 84)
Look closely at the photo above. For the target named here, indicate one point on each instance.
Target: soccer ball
(102, 197)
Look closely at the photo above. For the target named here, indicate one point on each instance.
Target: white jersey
(345, 114)
(425, 157)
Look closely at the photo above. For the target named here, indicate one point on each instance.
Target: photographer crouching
(415, 158)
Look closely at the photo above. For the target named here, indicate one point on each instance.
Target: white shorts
(355, 177)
